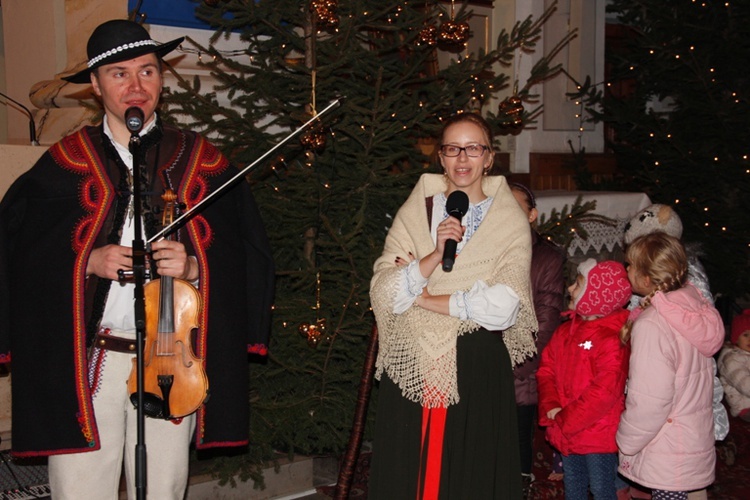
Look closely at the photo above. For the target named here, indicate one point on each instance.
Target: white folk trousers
(96, 475)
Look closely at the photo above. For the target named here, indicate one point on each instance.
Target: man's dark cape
(75, 199)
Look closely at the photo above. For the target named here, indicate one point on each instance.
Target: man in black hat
(66, 229)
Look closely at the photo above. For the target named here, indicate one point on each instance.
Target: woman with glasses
(446, 422)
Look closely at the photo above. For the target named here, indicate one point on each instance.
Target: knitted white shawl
(417, 349)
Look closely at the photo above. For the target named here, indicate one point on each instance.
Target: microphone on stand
(32, 126)
(456, 206)
(134, 119)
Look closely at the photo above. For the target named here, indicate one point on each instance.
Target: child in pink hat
(582, 377)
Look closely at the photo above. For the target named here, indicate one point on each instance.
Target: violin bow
(243, 172)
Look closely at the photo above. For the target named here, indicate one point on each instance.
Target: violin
(174, 381)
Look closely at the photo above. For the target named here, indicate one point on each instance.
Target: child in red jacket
(582, 378)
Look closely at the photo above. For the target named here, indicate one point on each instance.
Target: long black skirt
(480, 458)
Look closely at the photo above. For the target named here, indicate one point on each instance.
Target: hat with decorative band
(119, 40)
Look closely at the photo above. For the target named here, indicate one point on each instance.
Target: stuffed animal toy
(653, 218)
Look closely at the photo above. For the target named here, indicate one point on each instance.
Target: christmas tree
(329, 195)
(676, 101)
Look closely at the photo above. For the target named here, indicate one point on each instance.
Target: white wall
(584, 56)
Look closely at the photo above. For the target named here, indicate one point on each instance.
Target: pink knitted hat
(740, 324)
(606, 288)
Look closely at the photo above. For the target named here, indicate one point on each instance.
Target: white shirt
(493, 307)
(119, 311)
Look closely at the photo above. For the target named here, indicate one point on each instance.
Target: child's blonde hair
(660, 257)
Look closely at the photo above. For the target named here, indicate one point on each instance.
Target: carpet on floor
(732, 469)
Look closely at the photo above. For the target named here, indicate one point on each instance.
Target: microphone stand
(32, 126)
(139, 276)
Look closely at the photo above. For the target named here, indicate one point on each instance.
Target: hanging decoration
(512, 109)
(317, 331)
(452, 33)
(314, 139)
(427, 36)
(325, 14)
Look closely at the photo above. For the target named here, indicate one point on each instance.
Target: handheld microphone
(456, 206)
(134, 119)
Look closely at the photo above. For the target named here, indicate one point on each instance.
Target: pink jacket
(583, 371)
(666, 434)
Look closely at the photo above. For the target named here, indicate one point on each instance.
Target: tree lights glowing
(682, 128)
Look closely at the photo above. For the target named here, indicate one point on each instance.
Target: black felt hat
(119, 40)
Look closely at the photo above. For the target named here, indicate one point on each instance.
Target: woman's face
(465, 172)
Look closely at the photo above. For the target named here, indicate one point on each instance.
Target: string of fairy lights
(710, 77)
(688, 58)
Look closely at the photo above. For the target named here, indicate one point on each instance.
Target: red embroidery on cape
(222, 444)
(261, 349)
(205, 160)
(75, 153)
(90, 194)
(82, 233)
(197, 192)
(203, 231)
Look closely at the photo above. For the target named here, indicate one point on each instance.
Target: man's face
(120, 85)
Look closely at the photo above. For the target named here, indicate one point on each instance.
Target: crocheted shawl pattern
(417, 349)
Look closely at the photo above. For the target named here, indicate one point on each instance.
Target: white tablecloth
(616, 205)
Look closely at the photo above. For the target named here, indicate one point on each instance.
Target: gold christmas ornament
(453, 33)
(314, 140)
(428, 36)
(313, 333)
(324, 12)
(512, 109)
